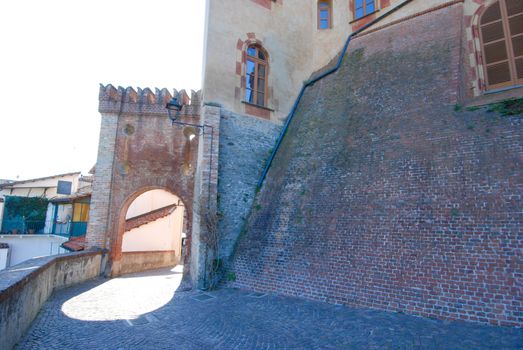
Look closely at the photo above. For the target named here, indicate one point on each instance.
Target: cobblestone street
(144, 311)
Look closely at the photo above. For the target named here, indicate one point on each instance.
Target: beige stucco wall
(162, 234)
(327, 43)
(149, 201)
(288, 31)
(285, 35)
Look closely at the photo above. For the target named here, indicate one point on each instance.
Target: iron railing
(67, 229)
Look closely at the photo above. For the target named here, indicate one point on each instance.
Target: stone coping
(149, 251)
(24, 235)
(16, 277)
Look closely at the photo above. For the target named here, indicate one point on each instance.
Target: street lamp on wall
(173, 105)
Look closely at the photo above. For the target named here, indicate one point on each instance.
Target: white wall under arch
(163, 234)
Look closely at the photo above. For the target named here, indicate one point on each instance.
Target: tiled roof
(151, 216)
(41, 178)
(75, 244)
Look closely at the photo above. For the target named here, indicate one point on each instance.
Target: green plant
(507, 107)
(473, 108)
(231, 276)
(30, 208)
(457, 107)
(258, 206)
(210, 237)
(470, 126)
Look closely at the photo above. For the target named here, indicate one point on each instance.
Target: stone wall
(142, 261)
(25, 288)
(386, 195)
(245, 144)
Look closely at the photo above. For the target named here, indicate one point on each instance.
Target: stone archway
(141, 150)
(150, 237)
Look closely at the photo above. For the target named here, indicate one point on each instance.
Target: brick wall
(98, 212)
(245, 144)
(384, 196)
(139, 150)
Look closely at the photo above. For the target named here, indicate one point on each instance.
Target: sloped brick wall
(384, 196)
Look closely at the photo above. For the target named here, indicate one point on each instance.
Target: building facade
(333, 194)
(295, 44)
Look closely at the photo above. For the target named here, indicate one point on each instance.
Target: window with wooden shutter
(501, 32)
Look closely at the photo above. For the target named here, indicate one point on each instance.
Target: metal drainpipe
(310, 82)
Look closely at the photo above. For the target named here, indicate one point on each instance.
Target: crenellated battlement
(144, 101)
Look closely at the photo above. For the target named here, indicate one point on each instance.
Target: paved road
(144, 311)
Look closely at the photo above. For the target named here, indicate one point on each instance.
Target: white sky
(54, 54)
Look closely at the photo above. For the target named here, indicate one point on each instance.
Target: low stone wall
(24, 288)
(143, 261)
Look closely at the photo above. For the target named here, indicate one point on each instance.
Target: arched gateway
(140, 151)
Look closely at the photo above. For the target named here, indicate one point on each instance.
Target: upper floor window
(501, 33)
(324, 14)
(256, 76)
(363, 8)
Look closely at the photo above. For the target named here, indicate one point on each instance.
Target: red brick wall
(149, 153)
(156, 155)
(384, 196)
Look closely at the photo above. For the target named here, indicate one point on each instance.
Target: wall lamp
(173, 105)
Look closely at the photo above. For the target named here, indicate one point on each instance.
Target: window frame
(257, 63)
(329, 14)
(507, 38)
(365, 12)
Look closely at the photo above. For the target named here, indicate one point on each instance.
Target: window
(64, 187)
(363, 8)
(81, 212)
(256, 76)
(501, 32)
(324, 15)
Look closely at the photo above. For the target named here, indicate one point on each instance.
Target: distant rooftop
(9, 182)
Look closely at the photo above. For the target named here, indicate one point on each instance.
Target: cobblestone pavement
(144, 311)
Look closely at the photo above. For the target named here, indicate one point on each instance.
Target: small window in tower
(324, 14)
(363, 8)
(256, 76)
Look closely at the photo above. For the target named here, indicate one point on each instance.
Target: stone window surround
(241, 57)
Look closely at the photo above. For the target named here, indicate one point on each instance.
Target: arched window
(324, 14)
(256, 76)
(501, 32)
(363, 8)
